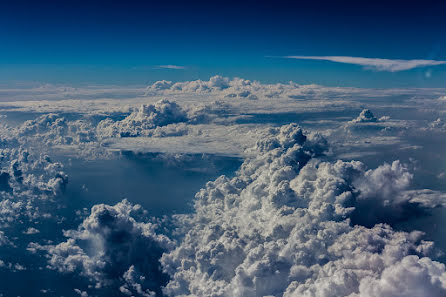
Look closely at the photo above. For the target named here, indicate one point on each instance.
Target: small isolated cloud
(374, 63)
(31, 231)
(176, 67)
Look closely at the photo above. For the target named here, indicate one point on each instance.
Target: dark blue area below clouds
(161, 184)
(121, 42)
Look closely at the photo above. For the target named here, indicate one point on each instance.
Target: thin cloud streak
(374, 63)
(176, 67)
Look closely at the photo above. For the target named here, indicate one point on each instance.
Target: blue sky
(125, 42)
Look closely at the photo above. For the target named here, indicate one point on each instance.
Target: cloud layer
(291, 222)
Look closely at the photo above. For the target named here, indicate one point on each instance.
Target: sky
(139, 42)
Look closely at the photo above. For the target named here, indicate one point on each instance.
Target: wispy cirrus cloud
(392, 65)
(176, 67)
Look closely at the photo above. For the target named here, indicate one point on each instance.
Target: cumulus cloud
(411, 276)
(142, 121)
(81, 293)
(31, 231)
(375, 63)
(27, 181)
(236, 88)
(89, 137)
(4, 240)
(113, 248)
(239, 89)
(370, 130)
(438, 124)
(30, 186)
(14, 267)
(366, 116)
(53, 130)
(290, 223)
(282, 227)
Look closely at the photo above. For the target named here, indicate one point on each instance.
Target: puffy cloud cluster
(283, 227)
(28, 183)
(55, 129)
(211, 112)
(90, 137)
(52, 131)
(112, 247)
(143, 121)
(236, 88)
(85, 135)
(4, 240)
(366, 130)
(215, 83)
(438, 124)
(366, 116)
(411, 276)
(14, 267)
(25, 174)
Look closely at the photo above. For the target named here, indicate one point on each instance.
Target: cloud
(366, 116)
(31, 231)
(112, 245)
(143, 121)
(289, 223)
(81, 293)
(176, 67)
(14, 267)
(4, 240)
(419, 276)
(282, 227)
(375, 63)
(28, 180)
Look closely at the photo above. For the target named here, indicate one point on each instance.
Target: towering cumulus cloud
(366, 116)
(282, 227)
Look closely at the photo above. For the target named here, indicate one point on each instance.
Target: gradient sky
(124, 42)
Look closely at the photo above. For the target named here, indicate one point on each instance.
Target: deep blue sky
(121, 42)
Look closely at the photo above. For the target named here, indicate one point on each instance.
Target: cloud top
(392, 65)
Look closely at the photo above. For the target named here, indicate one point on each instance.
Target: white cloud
(366, 116)
(411, 276)
(392, 65)
(281, 227)
(110, 245)
(31, 231)
(176, 67)
(142, 121)
(4, 240)
(28, 179)
(81, 293)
